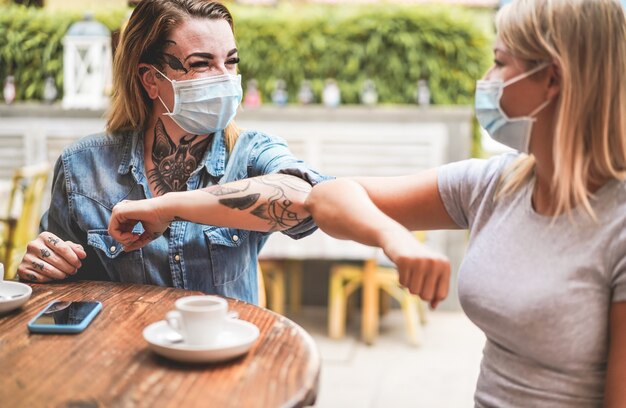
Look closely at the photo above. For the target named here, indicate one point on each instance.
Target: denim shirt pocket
(121, 266)
(228, 252)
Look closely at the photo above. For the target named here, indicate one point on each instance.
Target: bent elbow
(314, 199)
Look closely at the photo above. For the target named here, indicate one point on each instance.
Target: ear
(554, 81)
(148, 79)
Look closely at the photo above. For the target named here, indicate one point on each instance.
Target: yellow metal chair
(374, 280)
(20, 223)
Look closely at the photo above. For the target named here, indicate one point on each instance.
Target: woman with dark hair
(171, 142)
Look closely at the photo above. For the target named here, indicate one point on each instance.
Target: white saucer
(236, 338)
(13, 295)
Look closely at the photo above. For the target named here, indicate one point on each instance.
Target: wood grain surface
(110, 365)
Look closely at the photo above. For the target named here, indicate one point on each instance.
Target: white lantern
(87, 61)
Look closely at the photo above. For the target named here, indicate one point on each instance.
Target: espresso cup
(198, 319)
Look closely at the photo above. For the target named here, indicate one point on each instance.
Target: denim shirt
(96, 172)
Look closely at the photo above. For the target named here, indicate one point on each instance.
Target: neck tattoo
(174, 164)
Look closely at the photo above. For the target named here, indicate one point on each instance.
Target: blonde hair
(586, 40)
(142, 41)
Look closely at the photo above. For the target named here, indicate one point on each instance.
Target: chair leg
(385, 302)
(421, 310)
(277, 290)
(369, 321)
(413, 328)
(336, 306)
(262, 289)
(294, 269)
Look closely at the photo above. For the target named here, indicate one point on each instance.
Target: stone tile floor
(441, 373)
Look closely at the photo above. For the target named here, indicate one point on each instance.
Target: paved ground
(440, 374)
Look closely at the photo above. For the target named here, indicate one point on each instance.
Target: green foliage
(395, 46)
(31, 46)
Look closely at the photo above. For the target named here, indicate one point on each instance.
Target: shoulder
(95, 142)
(479, 170)
(254, 138)
(102, 152)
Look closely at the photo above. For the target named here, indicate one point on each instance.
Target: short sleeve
(467, 184)
(618, 278)
(270, 155)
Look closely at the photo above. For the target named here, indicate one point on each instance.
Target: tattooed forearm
(278, 213)
(219, 191)
(279, 210)
(269, 197)
(240, 203)
(38, 265)
(45, 253)
(293, 183)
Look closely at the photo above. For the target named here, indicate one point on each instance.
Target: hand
(50, 258)
(127, 214)
(423, 271)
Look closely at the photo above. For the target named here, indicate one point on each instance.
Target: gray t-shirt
(541, 291)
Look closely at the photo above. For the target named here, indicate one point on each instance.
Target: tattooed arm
(272, 202)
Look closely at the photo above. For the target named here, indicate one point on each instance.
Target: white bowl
(13, 295)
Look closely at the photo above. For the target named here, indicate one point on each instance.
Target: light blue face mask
(512, 132)
(205, 105)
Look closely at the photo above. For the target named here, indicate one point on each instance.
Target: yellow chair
(20, 224)
(374, 280)
(277, 273)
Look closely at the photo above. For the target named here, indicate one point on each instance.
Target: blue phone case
(63, 328)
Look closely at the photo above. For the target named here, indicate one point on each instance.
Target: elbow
(313, 199)
(320, 203)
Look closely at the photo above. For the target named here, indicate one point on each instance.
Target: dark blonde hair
(142, 41)
(586, 40)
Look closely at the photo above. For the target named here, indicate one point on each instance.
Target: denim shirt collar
(214, 159)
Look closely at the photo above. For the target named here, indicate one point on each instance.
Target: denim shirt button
(235, 238)
(113, 248)
(177, 257)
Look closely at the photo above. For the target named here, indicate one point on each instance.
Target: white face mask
(512, 132)
(204, 105)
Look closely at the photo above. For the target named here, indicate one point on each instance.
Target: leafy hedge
(395, 46)
(31, 47)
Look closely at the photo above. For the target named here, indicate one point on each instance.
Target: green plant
(31, 46)
(395, 46)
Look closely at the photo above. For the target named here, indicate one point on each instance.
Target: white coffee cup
(198, 319)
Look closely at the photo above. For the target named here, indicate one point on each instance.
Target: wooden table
(110, 365)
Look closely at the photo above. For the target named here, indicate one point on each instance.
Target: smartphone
(64, 317)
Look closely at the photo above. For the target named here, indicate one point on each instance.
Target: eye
(498, 63)
(199, 64)
(233, 61)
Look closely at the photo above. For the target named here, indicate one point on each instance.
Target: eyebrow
(500, 50)
(208, 55)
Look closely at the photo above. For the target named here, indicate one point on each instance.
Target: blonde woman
(545, 271)
(171, 143)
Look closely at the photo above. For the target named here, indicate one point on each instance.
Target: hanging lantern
(87, 60)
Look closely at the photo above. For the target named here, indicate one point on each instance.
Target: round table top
(110, 364)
